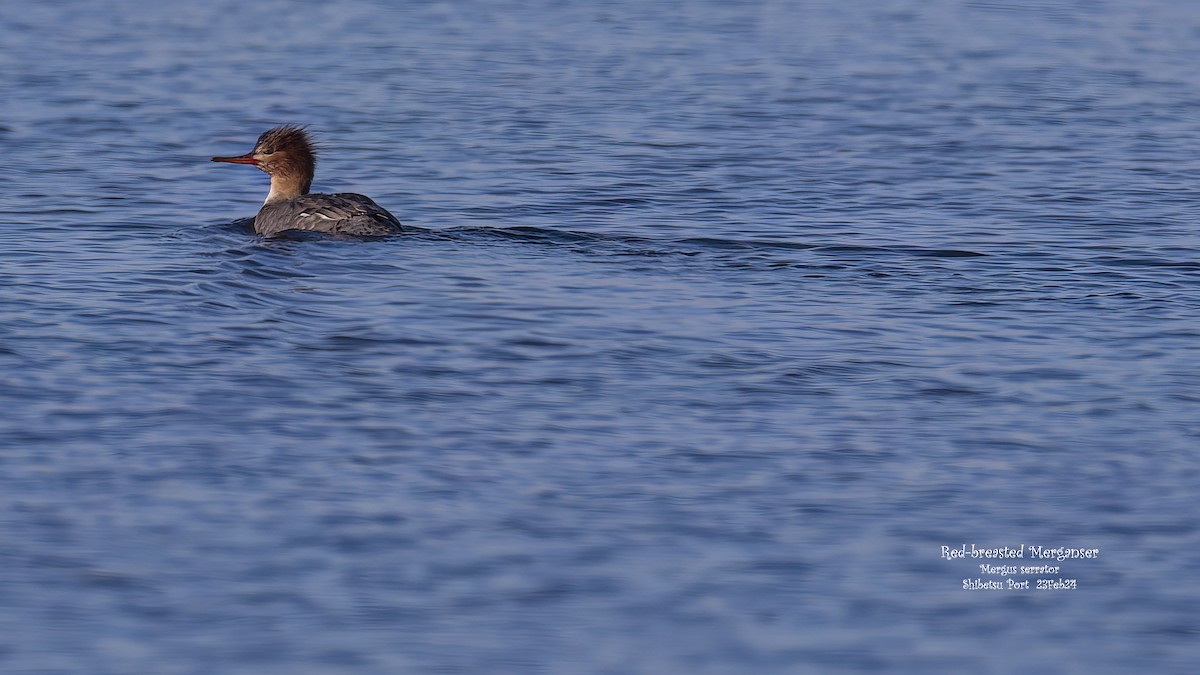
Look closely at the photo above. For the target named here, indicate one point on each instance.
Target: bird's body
(286, 154)
(345, 213)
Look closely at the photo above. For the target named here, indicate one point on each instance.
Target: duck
(287, 155)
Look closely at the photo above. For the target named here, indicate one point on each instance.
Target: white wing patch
(308, 214)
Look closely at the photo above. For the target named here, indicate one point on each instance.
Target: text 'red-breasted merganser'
(286, 154)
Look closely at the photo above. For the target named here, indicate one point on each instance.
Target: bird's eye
(268, 152)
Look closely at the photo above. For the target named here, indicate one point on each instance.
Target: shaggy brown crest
(287, 151)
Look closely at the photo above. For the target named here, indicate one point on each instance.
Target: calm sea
(718, 321)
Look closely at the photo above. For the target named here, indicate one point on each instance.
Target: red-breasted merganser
(286, 154)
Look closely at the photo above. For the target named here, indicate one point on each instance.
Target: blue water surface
(717, 321)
